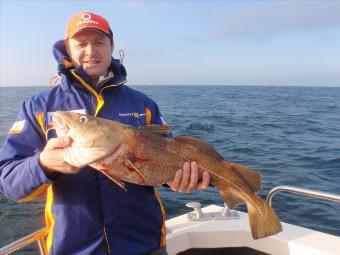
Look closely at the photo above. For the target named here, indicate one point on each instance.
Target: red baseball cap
(87, 20)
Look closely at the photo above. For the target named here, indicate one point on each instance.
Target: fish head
(92, 138)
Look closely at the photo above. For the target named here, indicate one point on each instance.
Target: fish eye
(83, 119)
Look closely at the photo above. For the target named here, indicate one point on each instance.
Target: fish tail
(263, 220)
(237, 184)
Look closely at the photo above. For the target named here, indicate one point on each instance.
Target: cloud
(274, 18)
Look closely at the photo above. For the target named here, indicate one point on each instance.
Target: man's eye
(83, 119)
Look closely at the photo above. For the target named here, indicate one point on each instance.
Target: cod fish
(143, 156)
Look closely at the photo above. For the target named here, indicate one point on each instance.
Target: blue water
(290, 134)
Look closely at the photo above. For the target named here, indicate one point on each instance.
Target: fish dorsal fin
(156, 129)
(202, 146)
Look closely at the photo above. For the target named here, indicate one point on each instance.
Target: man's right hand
(51, 158)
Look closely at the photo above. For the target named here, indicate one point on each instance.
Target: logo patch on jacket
(132, 114)
(17, 127)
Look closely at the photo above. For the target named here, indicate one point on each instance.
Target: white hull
(293, 240)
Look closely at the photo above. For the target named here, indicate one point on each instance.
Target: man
(86, 213)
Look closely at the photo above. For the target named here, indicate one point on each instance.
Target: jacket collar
(68, 79)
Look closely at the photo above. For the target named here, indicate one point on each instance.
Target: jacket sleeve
(21, 176)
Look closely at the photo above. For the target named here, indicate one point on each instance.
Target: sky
(270, 43)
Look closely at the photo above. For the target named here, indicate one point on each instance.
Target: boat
(215, 230)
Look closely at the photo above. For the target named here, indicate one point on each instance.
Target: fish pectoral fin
(230, 198)
(119, 182)
(130, 165)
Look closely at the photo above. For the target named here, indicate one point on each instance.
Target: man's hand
(51, 158)
(186, 179)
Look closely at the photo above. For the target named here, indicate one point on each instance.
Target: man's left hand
(186, 179)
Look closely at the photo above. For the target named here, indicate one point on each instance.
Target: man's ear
(68, 50)
(112, 48)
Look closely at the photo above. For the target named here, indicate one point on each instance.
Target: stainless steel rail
(301, 191)
(37, 236)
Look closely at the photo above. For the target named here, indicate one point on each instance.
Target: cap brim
(87, 28)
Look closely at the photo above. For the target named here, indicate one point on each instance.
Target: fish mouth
(60, 124)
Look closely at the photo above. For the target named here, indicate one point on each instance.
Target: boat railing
(40, 235)
(302, 191)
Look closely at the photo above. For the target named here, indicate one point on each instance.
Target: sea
(290, 134)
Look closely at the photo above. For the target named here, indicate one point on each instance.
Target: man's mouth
(92, 62)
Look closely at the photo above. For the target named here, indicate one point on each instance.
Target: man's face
(93, 50)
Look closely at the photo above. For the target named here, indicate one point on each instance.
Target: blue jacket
(86, 213)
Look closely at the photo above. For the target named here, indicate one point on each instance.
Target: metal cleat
(199, 215)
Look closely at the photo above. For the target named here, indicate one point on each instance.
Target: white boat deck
(293, 240)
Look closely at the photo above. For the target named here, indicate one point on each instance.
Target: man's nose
(90, 49)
